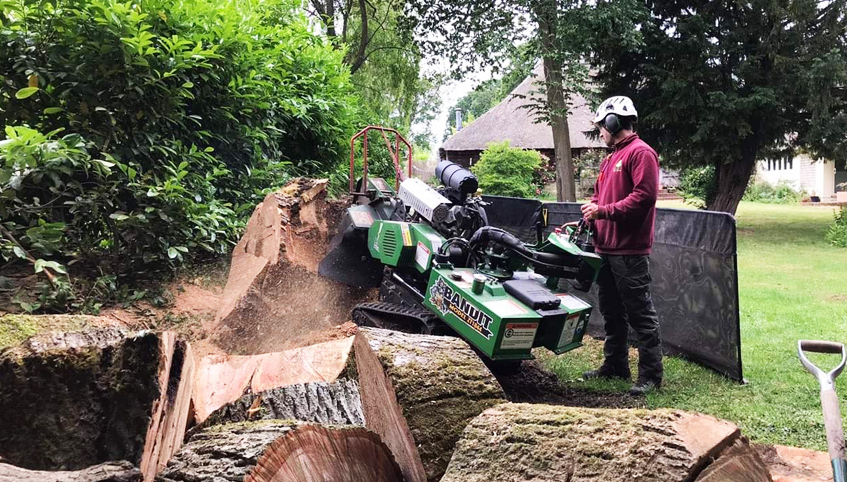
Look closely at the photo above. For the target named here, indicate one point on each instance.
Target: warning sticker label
(569, 330)
(572, 303)
(519, 336)
(504, 308)
(422, 255)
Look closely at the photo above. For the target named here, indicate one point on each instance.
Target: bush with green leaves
(507, 171)
(764, 192)
(697, 185)
(836, 235)
(139, 134)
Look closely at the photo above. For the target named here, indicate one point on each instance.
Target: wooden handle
(817, 346)
(832, 421)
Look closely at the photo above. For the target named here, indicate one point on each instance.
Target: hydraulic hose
(487, 234)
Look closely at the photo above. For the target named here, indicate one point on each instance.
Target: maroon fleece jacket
(625, 192)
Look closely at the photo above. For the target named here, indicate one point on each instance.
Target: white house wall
(816, 178)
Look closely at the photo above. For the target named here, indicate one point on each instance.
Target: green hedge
(139, 134)
(507, 171)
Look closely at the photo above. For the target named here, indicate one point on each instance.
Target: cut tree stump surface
(516, 442)
(283, 451)
(792, 464)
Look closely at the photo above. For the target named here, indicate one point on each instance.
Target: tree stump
(517, 442)
(282, 451)
(418, 393)
(108, 472)
(72, 400)
(274, 299)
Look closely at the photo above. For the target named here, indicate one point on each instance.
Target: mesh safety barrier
(694, 270)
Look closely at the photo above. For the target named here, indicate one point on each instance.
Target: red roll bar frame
(395, 157)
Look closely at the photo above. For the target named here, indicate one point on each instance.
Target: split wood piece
(418, 393)
(223, 379)
(336, 403)
(516, 442)
(738, 463)
(792, 464)
(274, 299)
(283, 451)
(73, 400)
(108, 472)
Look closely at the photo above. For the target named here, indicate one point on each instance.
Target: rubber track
(399, 318)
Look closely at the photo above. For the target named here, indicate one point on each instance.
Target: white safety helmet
(620, 105)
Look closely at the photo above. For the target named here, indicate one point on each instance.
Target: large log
(516, 442)
(336, 403)
(73, 400)
(418, 393)
(223, 379)
(107, 472)
(274, 299)
(283, 451)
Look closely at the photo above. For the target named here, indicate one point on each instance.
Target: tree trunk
(515, 442)
(792, 464)
(283, 451)
(557, 107)
(108, 472)
(223, 379)
(336, 403)
(418, 393)
(732, 180)
(72, 400)
(274, 299)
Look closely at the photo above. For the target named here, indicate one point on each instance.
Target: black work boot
(607, 373)
(644, 386)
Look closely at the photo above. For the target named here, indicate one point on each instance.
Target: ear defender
(612, 124)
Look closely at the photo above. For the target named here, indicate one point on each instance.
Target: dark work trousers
(624, 291)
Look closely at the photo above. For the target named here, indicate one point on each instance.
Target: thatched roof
(508, 120)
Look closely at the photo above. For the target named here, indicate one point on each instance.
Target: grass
(791, 287)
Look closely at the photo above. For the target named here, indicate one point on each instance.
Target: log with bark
(283, 451)
(336, 403)
(516, 442)
(418, 393)
(274, 299)
(223, 379)
(72, 400)
(122, 471)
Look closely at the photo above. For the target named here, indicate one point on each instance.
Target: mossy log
(107, 472)
(283, 451)
(72, 400)
(336, 403)
(418, 393)
(517, 442)
(274, 299)
(224, 379)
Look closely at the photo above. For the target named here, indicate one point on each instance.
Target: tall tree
(727, 83)
(475, 33)
(383, 58)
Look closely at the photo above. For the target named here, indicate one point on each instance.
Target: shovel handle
(829, 400)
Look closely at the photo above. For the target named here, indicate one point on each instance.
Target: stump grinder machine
(441, 269)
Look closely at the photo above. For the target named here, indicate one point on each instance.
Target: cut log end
(316, 453)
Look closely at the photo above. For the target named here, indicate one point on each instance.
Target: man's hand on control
(590, 211)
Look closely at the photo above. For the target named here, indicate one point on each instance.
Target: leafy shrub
(837, 233)
(137, 135)
(763, 192)
(507, 171)
(697, 185)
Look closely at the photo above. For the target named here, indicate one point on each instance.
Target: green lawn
(792, 286)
